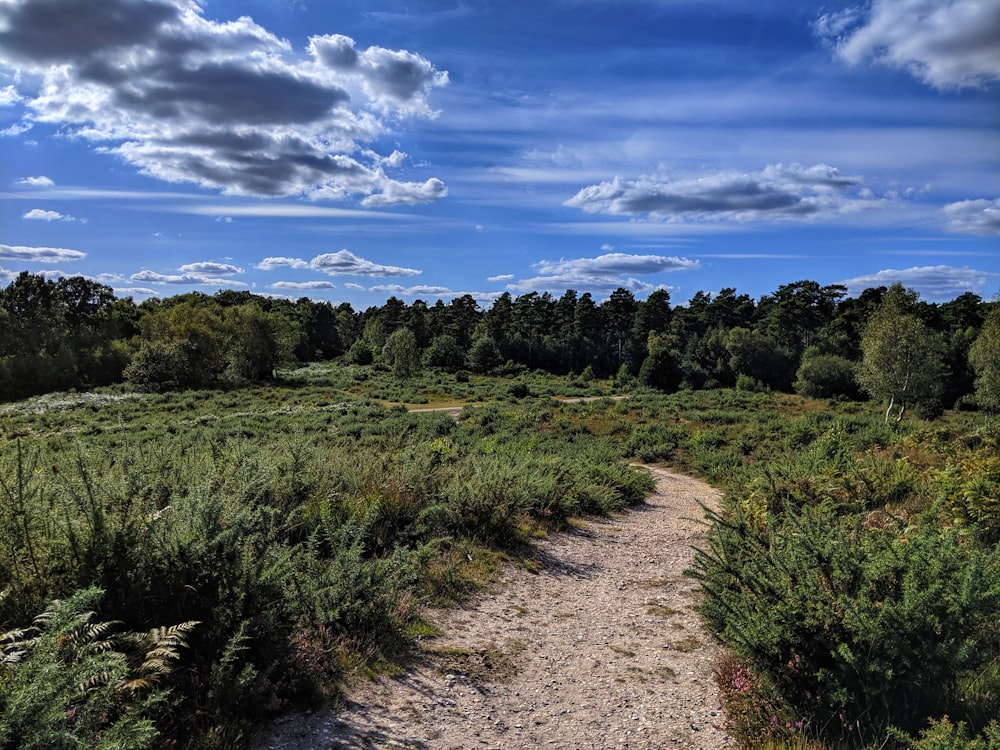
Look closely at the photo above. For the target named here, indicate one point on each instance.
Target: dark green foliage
(855, 619)
(826, 376)
(445, 353)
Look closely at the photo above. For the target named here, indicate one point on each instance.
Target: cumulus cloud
(935, 283)
(602, 274)
(270, 264)
(40, 254)
(129, 290)
(7, 276)
(949, 44)
(182, 279)
(225, 105)
(501, 277)
(8, 96)
(38, 214)
(777, 192)
(209, 268)
(980, 217)
(39, 181)
(346, 263)
(406, 193)
(306, 285)
(392, 79)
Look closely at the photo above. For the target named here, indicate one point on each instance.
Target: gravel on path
(600, 649)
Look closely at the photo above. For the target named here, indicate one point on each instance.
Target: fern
(69, 678)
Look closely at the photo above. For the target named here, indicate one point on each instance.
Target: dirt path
(599, 650)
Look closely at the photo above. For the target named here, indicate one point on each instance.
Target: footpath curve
(600, 649)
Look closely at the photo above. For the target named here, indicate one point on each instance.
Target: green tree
(257, 342)
(984, 356)
(758, 356)
(445, 353)
(619, 312)
(660, 368)
(902, 359)
(401, 354)
(484, 355)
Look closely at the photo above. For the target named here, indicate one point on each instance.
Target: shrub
(826, 376)
(857, 627)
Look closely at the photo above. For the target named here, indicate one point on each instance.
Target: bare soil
(599, 649)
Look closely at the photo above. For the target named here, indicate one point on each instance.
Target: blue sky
(356, 150)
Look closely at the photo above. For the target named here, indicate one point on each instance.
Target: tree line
(886, 342)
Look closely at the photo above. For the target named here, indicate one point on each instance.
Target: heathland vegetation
(223, 506)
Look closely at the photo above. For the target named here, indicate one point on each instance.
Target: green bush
(857, 627)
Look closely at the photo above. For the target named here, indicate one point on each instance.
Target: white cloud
(935, 283)
(980, 217)
(225, 105)
(40, 181)
(209, 268)
(352, 285)
(270, 264)
(128, 290)
(949, 44)
(430, 291)
(153, 277)
(602, 274)
(306, 285)
(501, 277)
(38, 214)
(777, 192)
(40, 254)
(615, 263)
(6, 275)
(346, 263)
(9, 96)
(406, 193)
(395, 80)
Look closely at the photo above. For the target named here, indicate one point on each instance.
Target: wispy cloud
(40, 254)
(935, 283)
(430, 292)
(224, 105)
(501, 277)
(283, 211)
(778, 192)
(980, 217)
(945, 44)
(304, 285)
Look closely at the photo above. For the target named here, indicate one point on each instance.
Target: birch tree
(984, 356)
(902, 359)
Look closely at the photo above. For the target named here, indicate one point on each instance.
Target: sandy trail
(601, 649)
